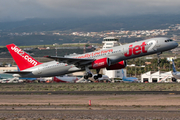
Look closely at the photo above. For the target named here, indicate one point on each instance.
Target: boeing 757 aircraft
(128, 79)
(175, 73)
(110, 58)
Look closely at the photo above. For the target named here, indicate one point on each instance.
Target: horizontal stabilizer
(18, 72)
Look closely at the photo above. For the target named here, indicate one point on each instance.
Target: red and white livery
(110, 58)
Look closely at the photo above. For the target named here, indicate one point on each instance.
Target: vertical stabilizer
(173, 65)
(22, 59)
(123, 73)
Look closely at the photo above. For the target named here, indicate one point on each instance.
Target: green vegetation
(150, 65)
(91, 87)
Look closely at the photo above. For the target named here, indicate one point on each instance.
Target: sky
(22, 9)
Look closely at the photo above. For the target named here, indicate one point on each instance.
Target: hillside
(91, 24)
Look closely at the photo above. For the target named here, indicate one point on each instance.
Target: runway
(104, 105)
(86, 112)
(90, 115)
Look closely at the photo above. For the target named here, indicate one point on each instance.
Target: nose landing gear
(159, 59)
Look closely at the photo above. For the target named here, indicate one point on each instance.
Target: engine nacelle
(101, 63)
(119, 65)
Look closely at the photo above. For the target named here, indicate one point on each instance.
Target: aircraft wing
(75, 61)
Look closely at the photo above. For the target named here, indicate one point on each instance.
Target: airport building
(114, 73)
(108, 43)
(7, 69)
(158, 76)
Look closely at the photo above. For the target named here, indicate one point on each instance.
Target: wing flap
(71, 60)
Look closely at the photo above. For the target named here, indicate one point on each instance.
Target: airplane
(110, 58)
(65, 79)
(104, 77)
(175, 73)
(128, 79)
(72, 79)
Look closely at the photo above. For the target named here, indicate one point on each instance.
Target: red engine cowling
(101, 63)
(119, 65)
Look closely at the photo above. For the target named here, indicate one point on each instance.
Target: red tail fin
(22, 59)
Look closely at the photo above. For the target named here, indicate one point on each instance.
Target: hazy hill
(91, 24)
(145, 22)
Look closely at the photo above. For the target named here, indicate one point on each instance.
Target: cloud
(20, 9)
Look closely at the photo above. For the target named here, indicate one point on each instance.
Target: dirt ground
(114, 100)
(70, 107)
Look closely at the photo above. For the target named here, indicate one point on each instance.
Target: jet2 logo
(18, 51)
(24, 55)
(136, 50)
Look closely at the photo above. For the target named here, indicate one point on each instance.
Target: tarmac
(107, 105)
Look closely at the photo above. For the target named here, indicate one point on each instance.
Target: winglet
(22, 59)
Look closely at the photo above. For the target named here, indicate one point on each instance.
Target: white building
(156, 77)
(114, 73)
(108, 43)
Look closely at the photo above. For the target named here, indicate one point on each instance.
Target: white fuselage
(115, 54)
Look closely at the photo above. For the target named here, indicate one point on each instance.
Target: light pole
(135, 70)
(56, 50)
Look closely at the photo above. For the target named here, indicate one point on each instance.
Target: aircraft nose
(176, 44)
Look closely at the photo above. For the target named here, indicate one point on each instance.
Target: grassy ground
(91, 87)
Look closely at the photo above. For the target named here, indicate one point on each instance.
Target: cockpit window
(169, 40)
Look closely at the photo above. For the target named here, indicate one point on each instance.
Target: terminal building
(108, 43)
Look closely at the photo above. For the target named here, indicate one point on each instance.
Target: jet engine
(119, 65)
(101, 63)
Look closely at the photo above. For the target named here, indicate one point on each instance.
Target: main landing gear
(89, 74)
(159, 59)
(98, 75)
